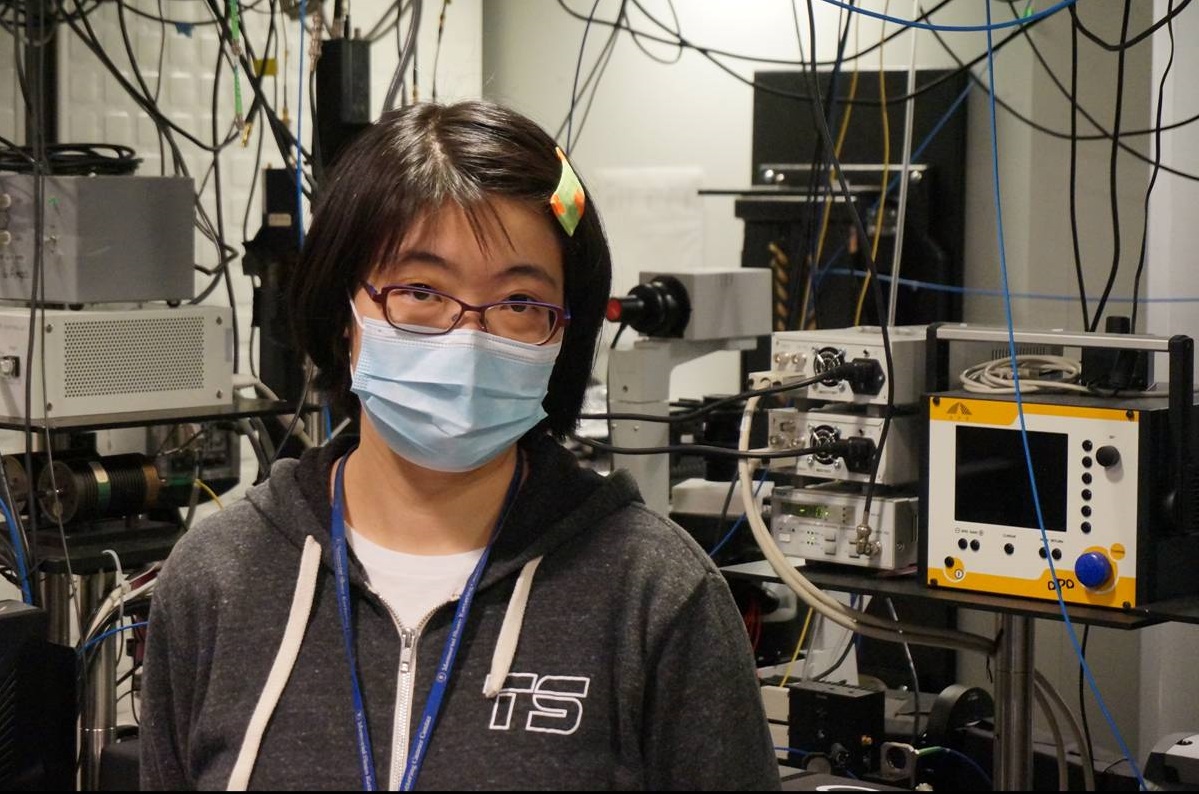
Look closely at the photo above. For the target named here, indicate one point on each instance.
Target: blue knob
(1093, 569)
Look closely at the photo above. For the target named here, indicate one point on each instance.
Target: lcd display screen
(992, 478)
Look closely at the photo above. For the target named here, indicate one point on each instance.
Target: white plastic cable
(112, 603)
(285, 419)
(122, 585)
(1088, 763)
(285, 660)
(1059, 745)
(995, 376)
(514, 618)
(909, 115)
(824, 604)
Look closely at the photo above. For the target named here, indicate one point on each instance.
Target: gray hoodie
(623, 659)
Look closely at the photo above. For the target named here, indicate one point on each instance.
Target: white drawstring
(514, 618)
(285, 660)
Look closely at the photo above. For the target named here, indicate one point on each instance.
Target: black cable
(56, 15)
(89, 38)
(284, 139)
(677, 31)
(220, 208)
(876, 290)
(1126, 45)
(1113, 765)
(186, 22)
(799, 276)
(817, 179)
(1103, 134)
(383, 26)
(724, 511)
(445, 4)
(1157, 165)
(606, 55)
(1078, 274)
(678, 41)
(35, 108)
(907, 650)
(162, 49)
(18, 151)
(837, 372)
(318, 170)
(849, 646)
(619, 331)
(1082, 700)
(1113, 171)
(75, 159)
(574, 88)
(256, 175)
(891, 100)
(698, 449)
(295, 418)
(595, 72)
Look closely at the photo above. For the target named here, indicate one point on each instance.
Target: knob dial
(1093, 569)
(1107, 457)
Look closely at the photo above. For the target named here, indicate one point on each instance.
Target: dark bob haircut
(415, 161)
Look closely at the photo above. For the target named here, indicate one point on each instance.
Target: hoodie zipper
(405, 684)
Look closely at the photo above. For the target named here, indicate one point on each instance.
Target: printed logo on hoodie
(550, 703)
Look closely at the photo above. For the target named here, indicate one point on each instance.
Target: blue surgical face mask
(451, 402)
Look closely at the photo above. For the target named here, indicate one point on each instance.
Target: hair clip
(568, 201)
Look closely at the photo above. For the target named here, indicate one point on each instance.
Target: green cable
(235, 36)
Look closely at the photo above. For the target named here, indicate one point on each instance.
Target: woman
(449, 601)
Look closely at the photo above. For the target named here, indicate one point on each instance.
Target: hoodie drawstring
(514, 618)
(285, 660)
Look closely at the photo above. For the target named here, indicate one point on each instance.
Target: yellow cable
(780, 263)
(828, 205)
(803, 635)
(882, 196)
(211, 493)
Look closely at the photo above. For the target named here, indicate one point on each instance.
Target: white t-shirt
(413, 585)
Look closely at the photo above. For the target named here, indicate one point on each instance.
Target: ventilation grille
(133, 356)
(1003, 351)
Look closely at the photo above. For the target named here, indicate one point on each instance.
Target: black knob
(1107, 457)
(659, 308)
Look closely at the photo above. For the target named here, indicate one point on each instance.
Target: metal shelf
(240, 408)
(909, 586)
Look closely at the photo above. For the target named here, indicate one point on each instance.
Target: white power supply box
(806, 354)
(107, 361)
(790, 428)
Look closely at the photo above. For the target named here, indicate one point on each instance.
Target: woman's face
(519, 258)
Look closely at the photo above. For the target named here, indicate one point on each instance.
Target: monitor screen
(992, 477)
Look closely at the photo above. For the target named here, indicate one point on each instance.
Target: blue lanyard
(424, 732)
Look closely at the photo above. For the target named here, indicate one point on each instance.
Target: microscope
(681, 317)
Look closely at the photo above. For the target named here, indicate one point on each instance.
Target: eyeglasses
(421, 310)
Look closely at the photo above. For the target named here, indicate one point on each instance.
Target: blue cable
(101, 638)
(1032, 478)
(328, 416)
(792, 751)
(909, 23)
(962, 756)
(300, 131)
(18, 549)
(740, 520)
